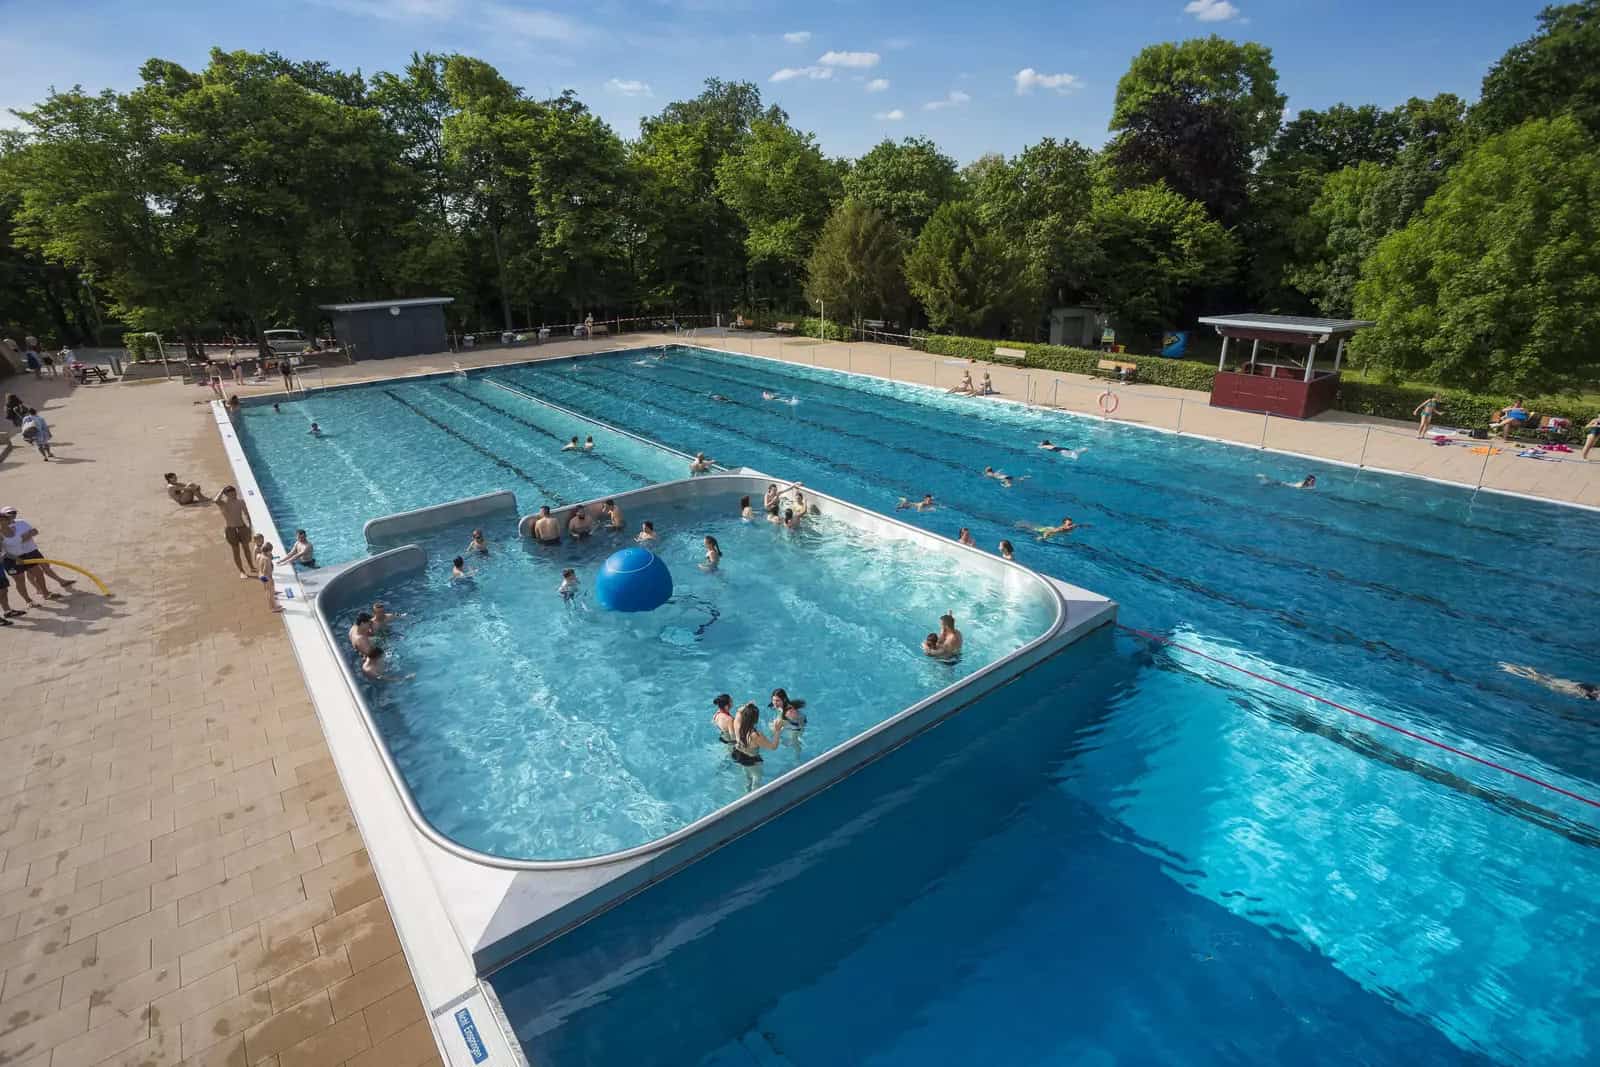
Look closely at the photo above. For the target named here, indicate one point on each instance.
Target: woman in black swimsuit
(748, 740)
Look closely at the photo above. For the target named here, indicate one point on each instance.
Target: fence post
(1264, 419)
(1179, 427)
(1055, 393)
(1361, 463)
(1487, 452)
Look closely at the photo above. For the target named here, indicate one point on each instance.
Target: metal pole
(1362, 461)
(1264, 420)
(1311, 361)
(1055, 394)
(1222, 361)
(1179, 427)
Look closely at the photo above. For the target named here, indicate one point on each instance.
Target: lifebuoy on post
(1109, 403)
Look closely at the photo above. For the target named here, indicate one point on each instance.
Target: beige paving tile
(313, 976)
(370, 985)
(227, 1022)
(103, 1041)
(411, 1047)
(288, 1028)
(133, 995)
(30, 1007)
(47, 967)
(351, 894)
(393, 1013)
(227, 950)
(161, 1049)
(264, 964)
(180, 1005)
(35, 1037)
(106, 971)
(328, 1047)
(111, 913)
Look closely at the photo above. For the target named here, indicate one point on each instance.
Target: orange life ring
(1109, 403)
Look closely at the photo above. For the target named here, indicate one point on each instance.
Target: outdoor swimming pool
(1184, 845)
(535, 729)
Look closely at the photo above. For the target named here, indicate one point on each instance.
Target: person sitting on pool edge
(546, 530)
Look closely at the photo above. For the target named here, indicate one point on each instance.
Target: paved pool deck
(181, 880)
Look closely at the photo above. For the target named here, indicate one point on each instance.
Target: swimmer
(478, 545)
(459, 571)
(745, 511)
(965, 537)
(372, 668)
(719, 398)
(647, 533)
(1044, 533)
(925, 504)
(579, 524)
(588, 443)
(748, 740)
(276, 410)
(363, 632)
(1007, 552)
(722, 718)
(790, 712)
(382, 616)
(1308, 482)
(770, 500)
(948, 645)
(316, 431)
(713, 554)
(1565, 686)
(613, 515)
(800, 503)
(546, 530)
(1000, 476)
(301, 552)
(569, 585)
(571, 446)
(700, 464)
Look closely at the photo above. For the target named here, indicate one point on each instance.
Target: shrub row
(1458, 408)
(140, 346)
(1153, 370)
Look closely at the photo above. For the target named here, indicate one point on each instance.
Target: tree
(1192, 115)
(856, 264)
(781, 187)
(1148, 251)
(967, 276)
(1344, 215)
(905, 182)
(1342, 136)
(1496, 284)
(1555, 71)
(1038, 200)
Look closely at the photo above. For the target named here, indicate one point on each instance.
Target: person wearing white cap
(17, 536)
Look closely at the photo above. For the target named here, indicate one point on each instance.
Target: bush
(1459, 408)
(804, 325)
(140, 346)
(1153, 370)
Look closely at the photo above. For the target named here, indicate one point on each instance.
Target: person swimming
(569, 585)
(948, 640)
(791, 521)
(713, 554)
(572, 445)
(1070, 453)
(925, 504)
(719, 398)
(478, 545)
(647, 533)
(1006, 551)
(930, 645)
(722, 718)
(546, 530)
(316, 431)
(459, 571)
(1000, 476)
(1308, 482)
(1045, 533)
(700, 464)
(1565, 686)
(965, 537)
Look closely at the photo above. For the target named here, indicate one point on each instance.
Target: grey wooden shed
(383, 329)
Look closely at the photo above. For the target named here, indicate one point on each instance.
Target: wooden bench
(599, 329)
(1013, 355)
(783, 327)
(1116, 368)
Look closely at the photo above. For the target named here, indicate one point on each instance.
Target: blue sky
(975, 79)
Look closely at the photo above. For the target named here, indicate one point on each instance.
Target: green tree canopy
(780, 187)
(1343, 216)
(905, 182)
(969, 277)
(855, 267)
(1192, 114)
(1038, 200)
(1555, 71)
(1148, 252)
(1496, 284)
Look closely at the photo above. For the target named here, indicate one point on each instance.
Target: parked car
(286, 340)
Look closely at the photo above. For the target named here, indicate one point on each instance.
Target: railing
(1490, 464)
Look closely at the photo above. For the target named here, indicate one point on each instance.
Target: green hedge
(140, 346)
(1153, 370)
(1459, 408)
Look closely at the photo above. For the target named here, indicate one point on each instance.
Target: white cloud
(528, 23)
(954, 98)
(629, 87)
(877, 85)
(798, 37)
(816, 74)
(849, 59)
(1029, 79)
(1211, 10)
(890, 116)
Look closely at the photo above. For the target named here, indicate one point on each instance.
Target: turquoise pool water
(538, 729)
(1372, 898)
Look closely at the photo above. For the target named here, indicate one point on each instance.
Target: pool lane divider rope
(475, 446)
(1541, 783)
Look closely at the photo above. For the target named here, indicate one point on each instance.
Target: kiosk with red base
(1294, 389)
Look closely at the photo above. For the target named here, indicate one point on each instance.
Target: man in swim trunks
(579, 525)
(363, 635)
(949, 645)
(700, 464)
(236, 529)
(301, 551)
(613, 515)
(1566, 686)
(1066, 525)
(546, 530)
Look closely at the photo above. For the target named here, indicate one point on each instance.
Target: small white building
(1077, 327)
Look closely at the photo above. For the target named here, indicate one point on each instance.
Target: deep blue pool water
(1156, 859)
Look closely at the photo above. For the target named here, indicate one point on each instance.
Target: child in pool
(569, 585)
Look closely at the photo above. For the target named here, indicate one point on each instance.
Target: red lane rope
(1541, 783)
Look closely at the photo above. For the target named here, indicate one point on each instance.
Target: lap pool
(1160, 861)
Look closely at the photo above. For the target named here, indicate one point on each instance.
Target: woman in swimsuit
(748, 740)
(790, 712)
(713, 554)
(745, 511)
(1591, 434)
(965, 537)
(770, 501)
(1006, 551)
(722, 718)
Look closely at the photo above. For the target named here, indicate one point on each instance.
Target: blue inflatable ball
(633, 579)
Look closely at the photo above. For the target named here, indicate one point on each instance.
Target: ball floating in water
(633, 579)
